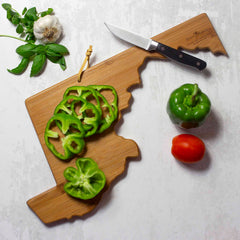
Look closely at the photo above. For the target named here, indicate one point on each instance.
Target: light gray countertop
(157, 197)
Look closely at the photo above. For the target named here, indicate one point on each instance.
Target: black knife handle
(180, 56)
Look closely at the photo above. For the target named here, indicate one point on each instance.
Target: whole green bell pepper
(86, 181)
(188, 106)
(72, 140)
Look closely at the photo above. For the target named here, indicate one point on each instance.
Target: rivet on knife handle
(180, 56)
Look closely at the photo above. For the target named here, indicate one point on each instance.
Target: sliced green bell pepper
(101, 102)
(107, 120)
(73, 131)
(87, 106)
(86, 181)
(188, 106)
(86, 112)
(114, 103)
(80, 90)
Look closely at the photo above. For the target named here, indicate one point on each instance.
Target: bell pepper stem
(195, 92)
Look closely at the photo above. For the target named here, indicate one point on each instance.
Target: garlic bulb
(47, 29)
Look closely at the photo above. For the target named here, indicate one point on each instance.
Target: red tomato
(188, 148)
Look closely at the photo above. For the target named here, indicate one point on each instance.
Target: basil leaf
(6, 6)
(51, 53)
(24, 21)
(19, 29)
(62, 63)
(30, 38)
(21, 67)
(58, 48)
(26, 50)
(31, 14)
(39, 49)
(58, 60)
(53, 59)
(38, 64)
(9, 14)
(15, 19)
(12, 15)
(24, 11)
(48, 12)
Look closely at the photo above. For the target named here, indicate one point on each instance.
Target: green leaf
(12, 15)
(24, 11)
(53, 59)
(40, 49)
(29, 29)
(6, 6)
(38, 64)
(62, 63)
(24, 21)
(58, 60)
(15, 19)
(31, 14)
(19, 29)
(51, 53)
(48, 12)
(58, 48)
(30, 38)
(21, 67)
(26, 50)
(9, 14)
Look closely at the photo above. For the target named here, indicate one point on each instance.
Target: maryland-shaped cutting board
(109, 150)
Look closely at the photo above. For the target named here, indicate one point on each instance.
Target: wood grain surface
(109, 150)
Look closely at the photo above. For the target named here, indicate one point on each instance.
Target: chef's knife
(150, 45)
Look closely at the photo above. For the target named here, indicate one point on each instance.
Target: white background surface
(157, 197)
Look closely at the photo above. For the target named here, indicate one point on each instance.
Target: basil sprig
(37, 53)
(24, 22)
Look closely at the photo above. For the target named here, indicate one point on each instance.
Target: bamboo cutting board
(109, 150)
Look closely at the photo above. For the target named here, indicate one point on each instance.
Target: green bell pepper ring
(72, 129)
(188, 106)
(86, 181)
(90, 120)
(68, 106)
(80, 90)
(107, 120)
(114, 103)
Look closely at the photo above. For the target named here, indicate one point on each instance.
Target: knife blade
(151, 45)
